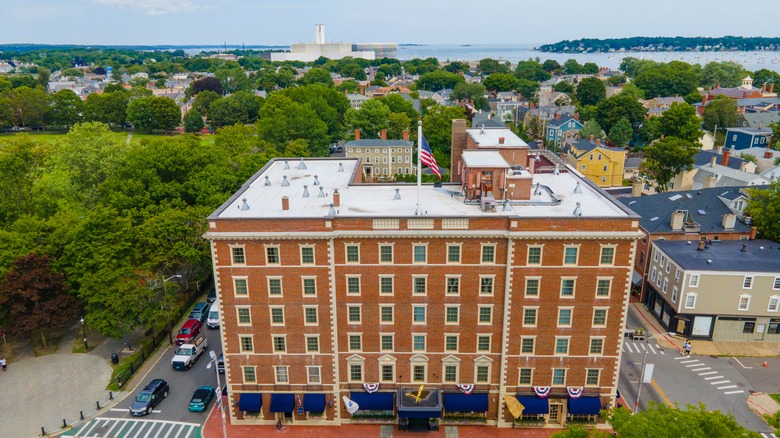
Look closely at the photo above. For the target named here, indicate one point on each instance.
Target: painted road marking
(727, 387)
(689, 361)
(680, 357)
(628, 346)
(708, 373)
(698, 364)
(713, 377)
(720, 382)
(651, 348)
(702, 369)
(734, 392)
(743, 366)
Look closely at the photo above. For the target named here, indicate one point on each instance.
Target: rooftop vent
(301, 165)
(482, 129)
(538, 158)
(332, 211)
(285, 183)
(577, 211)
(709, 261)
(506, 204)
(316, 181)
(286, 165)
(267, 181)
(305, 191)
(322, 193)
(557, 170)
(744, 247)
(341, 167)
(244, 205)
(577, 188)
(397, 194)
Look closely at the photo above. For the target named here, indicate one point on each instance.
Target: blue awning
(533, 405)
(282, 403)
(314, 403)
(250, 402)
(457, 402)
(402, 413)
(378, 401)
(584, 405)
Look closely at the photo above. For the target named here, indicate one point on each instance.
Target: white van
(213, 321)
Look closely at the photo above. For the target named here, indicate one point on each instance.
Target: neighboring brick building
(327, 284)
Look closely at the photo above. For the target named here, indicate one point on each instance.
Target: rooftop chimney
(557, 116)
(316, 181)
(598, 141)
(729, 220)
(301, 165)
(763, 89)
(285, 203)
(501, 140)
(336, 198)
(717, 84)
(719, 150)
(244, 205)
(744, 247)
(305, 191)
(405, 135)
(285, 183)
(397, 194)
(286, 165)
(382, 135)
(267, 181)
(591, 137)
(710, 181)
(704, 99)
(701, 246)
(726, 156)
(753, 231)
(713, 161)
(341, 167)
(357, 134)
(321, 194)
(771, 88)
(677, 221)
(768, 154)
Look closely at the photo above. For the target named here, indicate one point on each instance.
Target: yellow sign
(513, 404)
(417, 397)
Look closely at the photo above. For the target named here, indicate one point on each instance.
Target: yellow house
(598, 162)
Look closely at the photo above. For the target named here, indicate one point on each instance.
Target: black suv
(149, 397)
(221, 363)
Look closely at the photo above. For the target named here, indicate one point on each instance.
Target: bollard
(98, 404)
(132, 368)
(64, 423)
(110, 395)
(81, 414)
(43, 432)
(119, 381)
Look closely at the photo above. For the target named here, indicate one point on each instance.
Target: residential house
(744, 91)
(380, 158)
(743, 138)
(707, 141)
(598, 162)
(758, 119)
(721, 291)
(512, 149)
(706, 214)
(356, 101)
(557, 127)
(553, 98)
(442, 97)
(765, 157)
(545, 114)
(6, 67)
(631, 167)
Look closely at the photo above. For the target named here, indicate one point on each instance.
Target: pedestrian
(687, 347)
(3, 363)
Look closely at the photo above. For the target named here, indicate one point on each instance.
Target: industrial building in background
(308, 52)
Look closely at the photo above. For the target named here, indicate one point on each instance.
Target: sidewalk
(700, 347)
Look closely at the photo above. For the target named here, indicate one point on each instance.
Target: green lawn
(50, 137)
(776, 397)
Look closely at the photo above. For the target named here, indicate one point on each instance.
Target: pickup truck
(187, 354)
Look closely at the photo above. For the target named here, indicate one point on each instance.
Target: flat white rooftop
(474, 158)
(554, 197)
(489, 138)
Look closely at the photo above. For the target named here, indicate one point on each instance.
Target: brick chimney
(591, 137)
(458, 146)
(636, 189)
(717, 84)
(768, 154)
(557, 116)
(405, 135)
(704, 99)
(357, 134)
(285, 203)
(763, 88)
(598, 141)
(532, 105)
(726, 156)
(383, 134)
(501, 140)
(771, 88)
(729, 220)
(753, 231)
(336, 198)
(575, 116)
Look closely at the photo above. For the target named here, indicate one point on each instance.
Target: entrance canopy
(584, 405)
(378, 401)
(314, 403)
(250, 402)
(282, 403)
(457, 402)
(533, 405)
(419, 403)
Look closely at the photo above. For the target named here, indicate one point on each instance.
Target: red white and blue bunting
(542, 391)
(466, 389)
(574, 392)
(298, 400)
(371, 387)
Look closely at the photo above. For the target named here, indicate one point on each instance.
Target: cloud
(154, 7)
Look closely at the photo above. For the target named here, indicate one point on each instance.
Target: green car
(201, 398)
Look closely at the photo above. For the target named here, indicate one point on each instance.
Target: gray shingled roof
(704, 158)
(560, 122)
(656, 210)
(725, 255)
(761, 119)
(584, 146)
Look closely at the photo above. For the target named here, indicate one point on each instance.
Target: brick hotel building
(514, 279)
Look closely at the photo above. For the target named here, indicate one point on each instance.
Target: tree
(154, 113)
(564, 87)
(457, 67)
(610, 111)
(398, 104)
(208, 83)
(621, 133)
(348, 86)
(438, 80)
(193, 121)
(764, 210)
(591, 91)
(727, 74)
(578, 431)
(500, 82)
(396, 124)
(370, 119)
(660, 420)
(775, 136)
(65, 109)
(531, 70)
(234, 80)
(572, 67)
(108, 108)
(282, 120)
(488, 66)
(692, 97)
(30, 105)
(721, 112)
(203, 101)
(680, 121)
(241, 107)
(72, 73)
(316, 76)
(527, 88)
(666, 158)
(673, 79)
(437, 128)
(552, 66)
(592, 128)
(33, 297)
(471, 91)
(353, 70)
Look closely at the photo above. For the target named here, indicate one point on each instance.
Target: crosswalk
(710, 376)
(768, 435)
(639, 347)
(134, 428)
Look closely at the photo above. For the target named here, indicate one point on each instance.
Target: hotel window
(419, 285)
(277, 315)
(596, 346)
(250, 374)
(559, 377)
(485, 315)
(307, 255)
(312, 344)
(280, 344)
(602, 287)
(451, 343)
(356, 372)
(281, 375)
(353, 285)
(453, 285)
(353, 314)
(527, 345)
(488, 253)
(744, 302)
(386, 285)
(385, 253)
(418, 314)
(532, 287)
(592, 377)
(774, 303)
(418, 342)
(534, 255)
(529, 317)
(674, 294)
(690, 301)
(561, 345)
(486, 285)
(237, 255)
(246, 344)
(564, 317)
(388, 372)
(386, 342)
(275, 287)
(450, 373)
(420, 254)
(607, 255)
(418, 373)
(386, 314)
(244, 318)
(599, 317)
(313, 375)
(453, 253)
(567, 287)
(240, 286)
(525, 376)
(570, 255)
(483, 342)
(272, 255)
(452, 314)
(309, 286)
(355, 342)
(747, 283)
(353, 254)
(482, 374)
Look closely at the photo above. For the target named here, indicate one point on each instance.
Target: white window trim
(392, 335)
(528, 255)
(609, 289)
(552, 377)
(451, 306)
(392, 307)
(747, 307)
(414, 280)
(490, 342)
(271, 308)
(301, 246)
(695, 297)
(232, 260)
(777, 303)
(425, 341)
(319, 374)
(538, 288)
(424, 306)
(303, 285)
(614, 254)
(361, 364)
(576, 256)
(752, 281)
(241, 346)
(568, 345)
(460, 253)
(268, 286)
(533, 349)
(457, 342)
(446, 281)
(692, 283)
(306, 346)
(360, 313)
(536, 319)
(392, 281)
(590, 341)
(349, 343)
(675, 294)
(245, 279)
(479, 312)
(482, 250)
(418, 362)
(776, 283)
(243, 374)
(238, 319)
(489, 372)
(450, 362)
(492, 285)
(571, 316)
(346, 253)
(346, 285)
(278, 254)
(598, 379)
(424, 244)
(573, 292)
(384, 363)
(519, 374)
(606, 317)
(392, 252)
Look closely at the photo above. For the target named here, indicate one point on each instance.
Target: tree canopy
(665, 422)
(764, 209)
(665, 158)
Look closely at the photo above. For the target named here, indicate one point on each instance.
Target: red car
(189, 330)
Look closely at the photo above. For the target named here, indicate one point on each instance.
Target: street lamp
(213, 361)
(84, 331)
(642, 371)
(165, 292)
(165, 295)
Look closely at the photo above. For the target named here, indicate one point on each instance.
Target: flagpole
(419, 165)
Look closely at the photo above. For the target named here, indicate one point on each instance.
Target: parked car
(149, 397)
(221, 363)
(189, 353)
(211, 295)
(188, 332)
(201, 398)
(213, 321)
(200, 312)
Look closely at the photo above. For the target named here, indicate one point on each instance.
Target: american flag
(426, 157)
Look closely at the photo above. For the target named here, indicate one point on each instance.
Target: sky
(261, 22)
